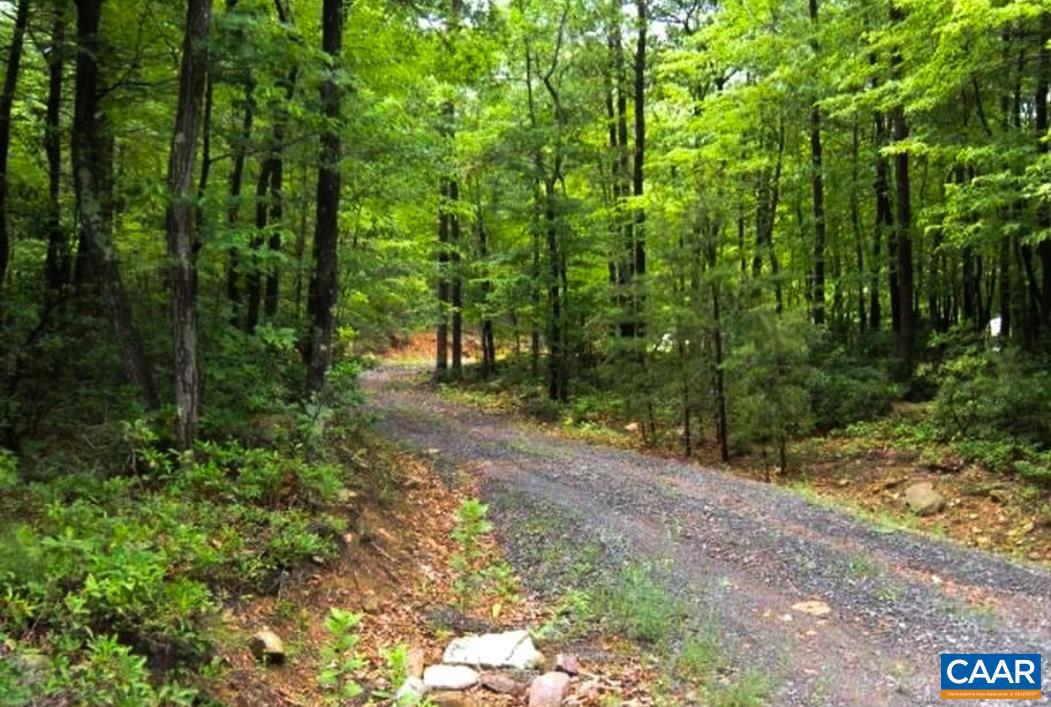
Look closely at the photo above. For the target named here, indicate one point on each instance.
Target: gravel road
(740, 554)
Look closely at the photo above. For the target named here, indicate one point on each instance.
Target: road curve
(740, 554)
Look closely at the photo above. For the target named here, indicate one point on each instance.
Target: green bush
(147, 559)
(995, 408)
(995, 395)
(636, 604)
(843, 392)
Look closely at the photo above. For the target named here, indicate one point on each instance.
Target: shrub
(145, 558)
(340, 659)
(636, 604)
(769, 381)
(995, 408)
(995, 394)
(843, 391)
(467, 562)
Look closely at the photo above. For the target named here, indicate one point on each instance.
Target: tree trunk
(441, 363)
(233, 213)
(638, 178)
(456, 284)
(885, 224)
(556, 384)
(1043, 212)
(818, 188)
(57, 264)
(277, 172)
(722, 431)
(92, 178)
(7, 101)
(855, 224)
(488, 343)
(254, 278)
(903, 244)
(324, 286)
(182, 239)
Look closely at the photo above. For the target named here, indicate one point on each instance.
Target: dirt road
(740, 554)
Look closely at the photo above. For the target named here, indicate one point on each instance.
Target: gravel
(735, 552)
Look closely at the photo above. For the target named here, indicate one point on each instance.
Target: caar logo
(990, 676)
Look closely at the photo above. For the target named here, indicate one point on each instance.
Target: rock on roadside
(923, 499)
(449, 677)
(503, 684)
(512, 649)
(548, 690)
(267, 647)
(567, 663)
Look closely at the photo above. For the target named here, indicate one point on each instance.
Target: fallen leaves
(813, 607)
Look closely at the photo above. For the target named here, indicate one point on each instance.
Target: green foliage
(844, 391)
(637, 605)
(397, 660)
(995, 408)
(147, 559)
(339, 657)
(698, 657)
(771, 375)
(468, 562)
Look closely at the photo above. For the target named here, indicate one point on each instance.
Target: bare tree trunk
(884, 224)
(441, 363)
(638, 176)
(456, 288)
(324, 285)
(903, 243)
(7, 101)
(92, 165)
(182, 239)
(818, 187)
(57, 264)
(1043, 213)
(254, 278)
(488, 343)
(270, 301)
(233, 214)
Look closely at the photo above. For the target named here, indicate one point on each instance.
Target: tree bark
(1043, 213)
(441, 333)
(638, 177)
(324, 286)
(182, 238)
(456, 288)
(885, 224)
(233, 212)
(57, 264)
(817, 182)
(903, 244)
(7, 101)
(92, 177)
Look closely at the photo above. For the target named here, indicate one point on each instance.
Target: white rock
(513, 649)
(267, 646)
(923, 499)
(410, 692)
(449, 677)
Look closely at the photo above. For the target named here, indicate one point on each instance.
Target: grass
(636, 605)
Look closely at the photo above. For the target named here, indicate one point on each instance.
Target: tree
(93, 182)
(7, 99)
(324, 285)
(182, 240)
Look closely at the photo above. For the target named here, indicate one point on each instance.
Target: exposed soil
(740, 553)
(395, 572)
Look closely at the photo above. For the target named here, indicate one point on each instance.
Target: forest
(729, 225)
